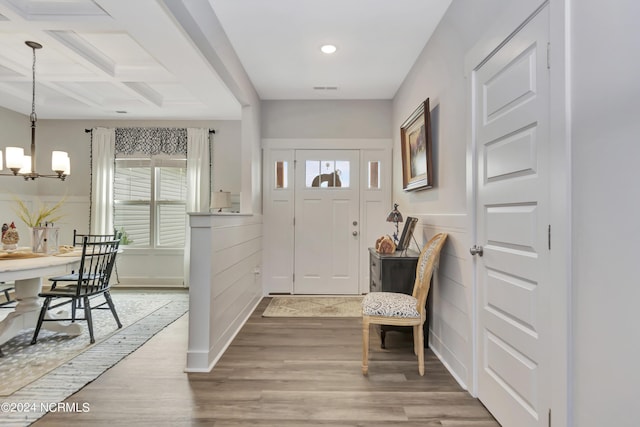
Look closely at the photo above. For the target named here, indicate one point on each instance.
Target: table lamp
(220, 200)
(395, 216)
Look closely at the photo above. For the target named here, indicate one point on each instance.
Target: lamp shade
(59, 161)
(26, 164)
(15, 157)
(395, 215)
(220, 199)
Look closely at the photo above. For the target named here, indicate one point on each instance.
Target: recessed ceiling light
(328, 49)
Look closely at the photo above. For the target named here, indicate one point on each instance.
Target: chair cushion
(390, 304)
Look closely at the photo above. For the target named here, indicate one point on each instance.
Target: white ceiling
(104, 56)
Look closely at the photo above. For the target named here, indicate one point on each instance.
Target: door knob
(355, 233)
(476, 250)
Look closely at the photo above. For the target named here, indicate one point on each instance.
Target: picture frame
(415, 139)
(407, 234)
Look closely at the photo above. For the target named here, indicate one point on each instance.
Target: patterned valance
(151, 141)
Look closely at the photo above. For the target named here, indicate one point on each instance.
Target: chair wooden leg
(43, 311)
(107, 296)
(365, 346)
(415, 339)
(87, 315)
(420, 349)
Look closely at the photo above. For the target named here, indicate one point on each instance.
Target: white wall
(605, 70)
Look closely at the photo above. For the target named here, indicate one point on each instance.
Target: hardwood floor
(278, 372)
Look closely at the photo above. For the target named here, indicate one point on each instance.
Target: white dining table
(27, 275)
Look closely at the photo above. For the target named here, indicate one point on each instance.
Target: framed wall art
(415, 134)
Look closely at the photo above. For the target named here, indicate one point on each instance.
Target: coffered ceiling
(135, 59)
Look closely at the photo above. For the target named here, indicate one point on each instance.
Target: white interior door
(327, 222)
(511, 121)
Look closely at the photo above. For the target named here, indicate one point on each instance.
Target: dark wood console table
(394, 272)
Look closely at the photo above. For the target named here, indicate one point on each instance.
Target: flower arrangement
(41, 216)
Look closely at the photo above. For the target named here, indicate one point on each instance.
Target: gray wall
(15, 131)
(603, 111)
(605, 68)
(438, 74)
(326, 119)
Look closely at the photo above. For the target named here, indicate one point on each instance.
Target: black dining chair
(78, 240)
(6, 289)
(90, 280)
(9, 302)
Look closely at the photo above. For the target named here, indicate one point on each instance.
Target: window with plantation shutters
(150, 201)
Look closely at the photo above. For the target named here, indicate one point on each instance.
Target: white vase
(44, 240)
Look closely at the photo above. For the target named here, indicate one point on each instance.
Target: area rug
(24, 363)
(299, 306)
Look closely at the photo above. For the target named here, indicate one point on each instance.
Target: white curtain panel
(197, 170)
(103, 154)
(197, 183)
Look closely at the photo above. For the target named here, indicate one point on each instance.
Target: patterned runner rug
(300, 306)
(24, 363)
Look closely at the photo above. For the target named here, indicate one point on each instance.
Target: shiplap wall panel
(451, 322)
(226, 258)
(236, 265)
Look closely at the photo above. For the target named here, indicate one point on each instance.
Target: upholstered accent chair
(397, 309)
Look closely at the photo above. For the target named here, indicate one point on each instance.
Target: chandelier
(25, 165)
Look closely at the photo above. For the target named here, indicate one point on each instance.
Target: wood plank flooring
(278, 372)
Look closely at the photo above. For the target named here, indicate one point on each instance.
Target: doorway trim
(513, 17)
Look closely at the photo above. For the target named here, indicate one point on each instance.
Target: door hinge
(548, 56)
(549, 418)
(549, 236)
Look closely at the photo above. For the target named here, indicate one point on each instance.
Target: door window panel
(327, 174)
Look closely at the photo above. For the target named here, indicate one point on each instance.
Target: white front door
(327, 221)
(511, 121)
